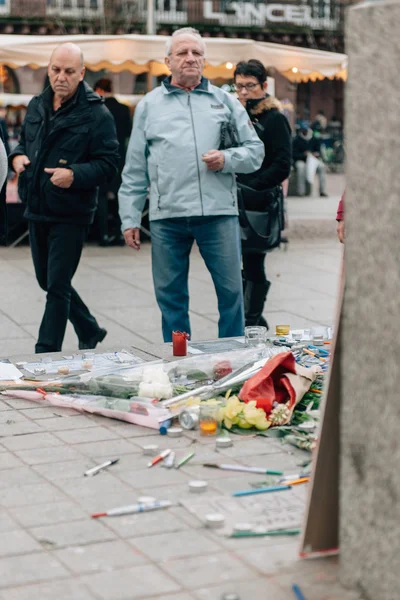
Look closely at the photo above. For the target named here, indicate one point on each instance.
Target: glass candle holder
(179, 343)
(255, 335)
(209, 421)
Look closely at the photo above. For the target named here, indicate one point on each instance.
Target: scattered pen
(185, 460)
(245, 534)
(272, 488)
(243, 469)
(159, 458)
(297, 592)
(297, 481)
(132, 509)
(99, 468)
(293, 477)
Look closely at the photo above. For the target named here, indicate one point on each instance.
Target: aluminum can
(189, 417)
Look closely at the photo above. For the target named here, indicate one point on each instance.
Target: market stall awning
(145, 53)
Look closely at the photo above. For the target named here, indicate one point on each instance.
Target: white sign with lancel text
(315, 15)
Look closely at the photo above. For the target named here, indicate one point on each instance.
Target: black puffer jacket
(274, 130)
(80, 136)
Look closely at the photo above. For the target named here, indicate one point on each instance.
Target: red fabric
(270, 385)
(340, 210)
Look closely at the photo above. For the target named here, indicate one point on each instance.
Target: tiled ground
(51, 548)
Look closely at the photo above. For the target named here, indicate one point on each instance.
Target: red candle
(179, 343)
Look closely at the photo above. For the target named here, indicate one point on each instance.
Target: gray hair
(184, 31)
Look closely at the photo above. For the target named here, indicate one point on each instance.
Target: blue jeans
(218, 239)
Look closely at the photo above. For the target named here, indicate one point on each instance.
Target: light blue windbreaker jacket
(172, 129)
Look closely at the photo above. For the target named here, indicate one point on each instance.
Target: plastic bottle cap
(174, 432)
(223, 442)
(150, 450)
(215, 520)
(198, 486)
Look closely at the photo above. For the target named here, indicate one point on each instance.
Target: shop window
(4, 7)
(77, 8)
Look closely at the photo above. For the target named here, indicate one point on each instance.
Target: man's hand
(20, 162)
(214, 160)
(62, 178)
(132, 237)
(340, 231)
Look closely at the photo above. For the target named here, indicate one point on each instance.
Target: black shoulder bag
(261, 213)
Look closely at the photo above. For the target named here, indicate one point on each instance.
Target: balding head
(66, 70)
(69, 50)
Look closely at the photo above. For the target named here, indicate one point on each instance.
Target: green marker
(243, 534)
(185, 460)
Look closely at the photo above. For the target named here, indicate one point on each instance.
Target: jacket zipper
(197, 156)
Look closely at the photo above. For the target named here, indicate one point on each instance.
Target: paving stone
(9, 461)
(167, 546)
(251, 589)
(34, 494)
(175, 493)
(72, 469)
(252, 447)
(19, 428)
(47, 514)
(75, 533)
(184, 443)
(29, 568)
(195, 572)
(4, 406)
(34, 440)
(135, 526)
(56, 590)
(103, 557)
(272, 559)
(37, 456)
(17, 542)
(107, 448)
(81, 436)
(93, 487)
(134, 583)
(48, 412)
(12, 416)
(19, 403)
(157, 475)
(19, 476)
(6, 522)
(64, 423)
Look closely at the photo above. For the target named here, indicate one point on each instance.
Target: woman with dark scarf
(274, 130)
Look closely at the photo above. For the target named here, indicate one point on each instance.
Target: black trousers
(56, 250)
(253, 267)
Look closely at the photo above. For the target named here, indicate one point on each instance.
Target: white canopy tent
(145, 53)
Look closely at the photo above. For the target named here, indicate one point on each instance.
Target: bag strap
(243, 214)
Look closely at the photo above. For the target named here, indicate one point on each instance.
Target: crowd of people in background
(76, 171)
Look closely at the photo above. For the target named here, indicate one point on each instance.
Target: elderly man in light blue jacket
(173, 150)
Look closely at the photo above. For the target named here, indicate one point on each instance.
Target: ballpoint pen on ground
(95, 470)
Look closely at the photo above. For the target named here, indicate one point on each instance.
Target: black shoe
(323, 195)
(92, 343)
(263, 322)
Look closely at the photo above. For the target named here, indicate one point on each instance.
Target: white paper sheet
(9, 372)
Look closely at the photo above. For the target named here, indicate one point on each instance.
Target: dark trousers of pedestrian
(255, 287)
(56, 250)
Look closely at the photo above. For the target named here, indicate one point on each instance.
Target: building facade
(316, 24)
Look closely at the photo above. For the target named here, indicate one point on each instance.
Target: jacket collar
(168, 88)
(78, 110)
(260, 105)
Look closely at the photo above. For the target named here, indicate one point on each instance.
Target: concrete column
(370, 417)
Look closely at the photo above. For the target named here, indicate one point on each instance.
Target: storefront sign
(249, 13)
(317, 14)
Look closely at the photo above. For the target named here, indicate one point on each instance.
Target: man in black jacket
(274, 130)
(68, 147)
(109, 191)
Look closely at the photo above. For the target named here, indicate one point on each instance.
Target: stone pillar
(370, 416)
